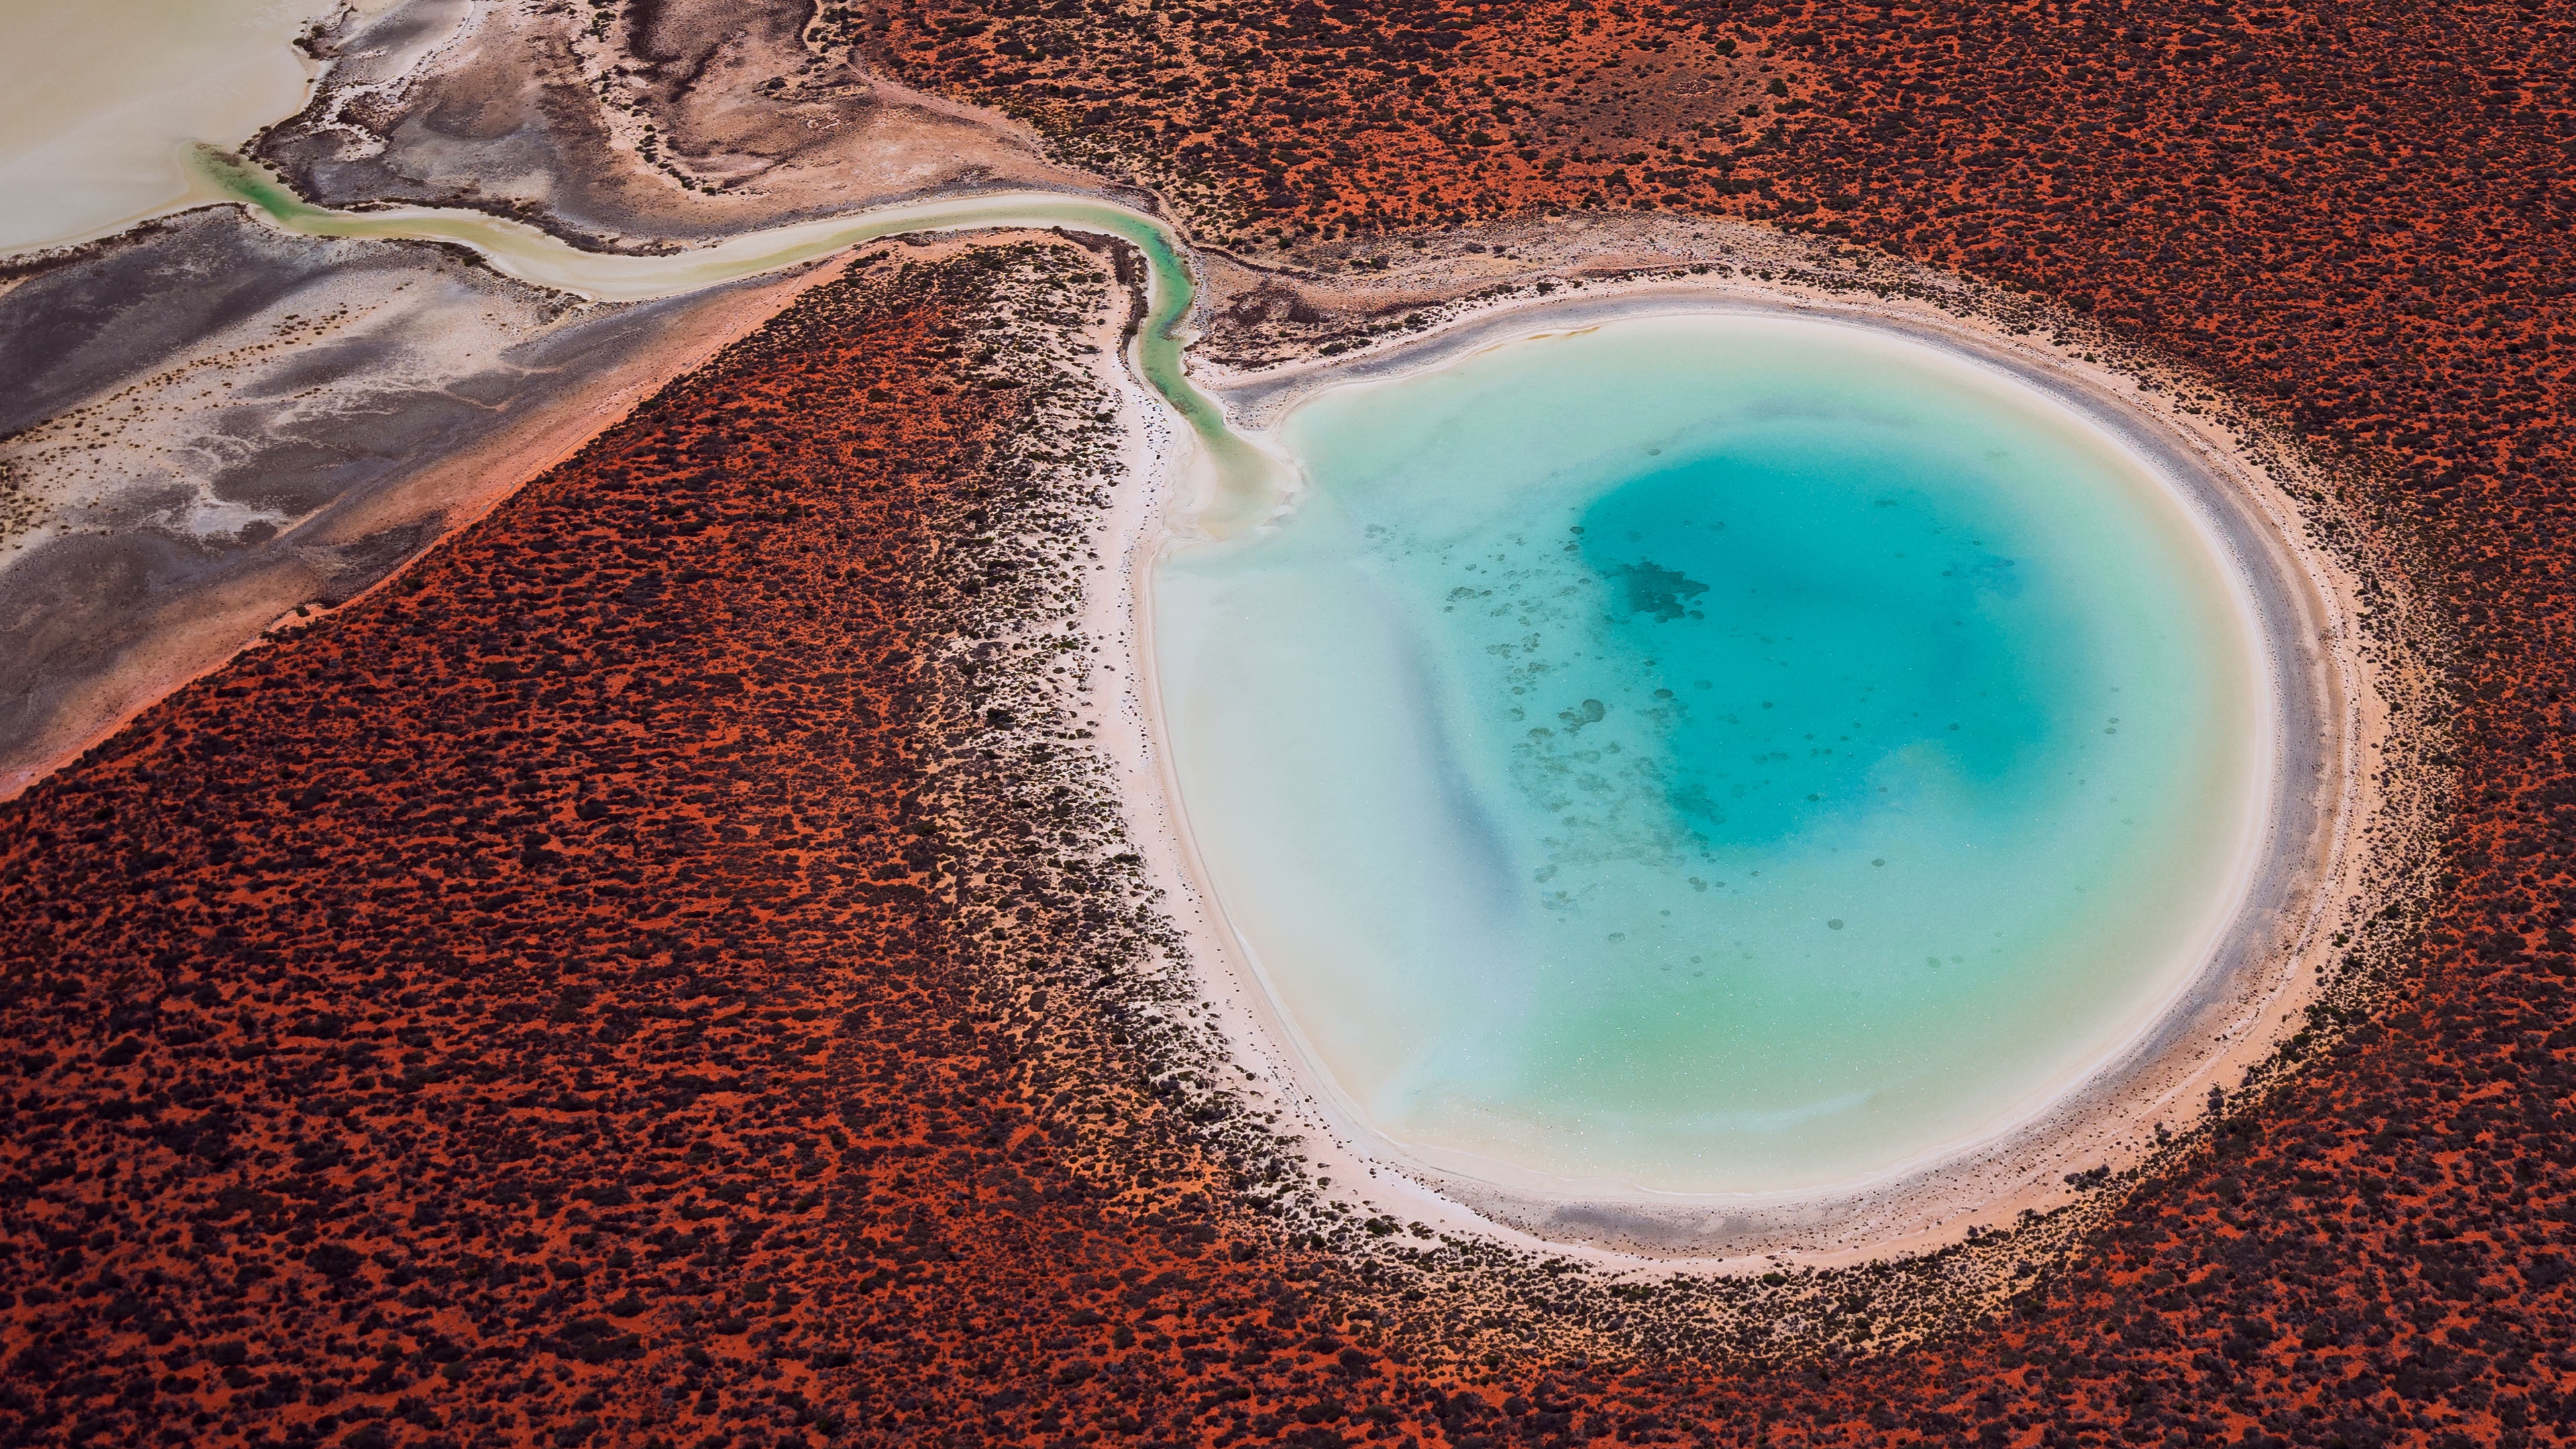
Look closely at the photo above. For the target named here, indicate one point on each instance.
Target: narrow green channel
(1243, 483)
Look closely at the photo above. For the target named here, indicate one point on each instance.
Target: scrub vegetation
(659, 972)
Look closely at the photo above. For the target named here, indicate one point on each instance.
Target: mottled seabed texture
(1712, 755)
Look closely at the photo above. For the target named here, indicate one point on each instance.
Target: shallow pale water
(102, 101)
(1712, 755)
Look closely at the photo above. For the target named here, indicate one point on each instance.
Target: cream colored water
(101, 102)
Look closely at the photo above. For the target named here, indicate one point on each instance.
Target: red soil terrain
(659, 972)
(664, 972)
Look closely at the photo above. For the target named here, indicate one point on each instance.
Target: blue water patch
(1710, 755)
(1791, 619)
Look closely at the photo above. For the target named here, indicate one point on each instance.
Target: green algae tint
(1713, 755)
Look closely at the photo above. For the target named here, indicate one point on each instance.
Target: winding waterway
(1697, 756)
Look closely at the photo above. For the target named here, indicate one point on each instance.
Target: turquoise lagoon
(1711, 755)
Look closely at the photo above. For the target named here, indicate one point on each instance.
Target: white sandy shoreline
(2221, 1018)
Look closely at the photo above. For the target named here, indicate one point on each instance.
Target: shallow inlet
(1234, 485)
(1712, 755)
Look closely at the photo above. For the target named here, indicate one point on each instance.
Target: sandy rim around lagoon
(2305, 878)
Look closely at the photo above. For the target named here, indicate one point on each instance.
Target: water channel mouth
(103, 102)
